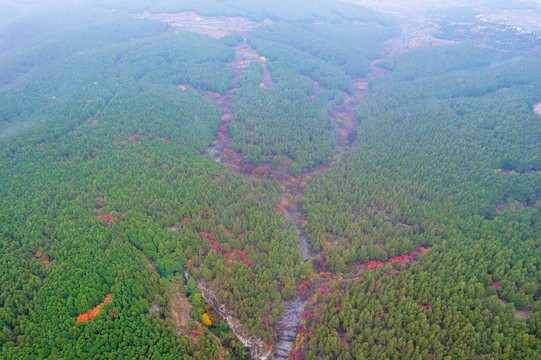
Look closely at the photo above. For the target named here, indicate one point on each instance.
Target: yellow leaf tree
(206, 319)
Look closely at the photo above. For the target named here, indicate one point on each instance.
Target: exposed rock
(258, 348)
(289, 322)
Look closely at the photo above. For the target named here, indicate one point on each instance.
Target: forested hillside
(305, 56)
(288, 119)
(91, 193)
(45, 35)
(122, 235)
(448, 162)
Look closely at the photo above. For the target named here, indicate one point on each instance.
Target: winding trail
(346, 140)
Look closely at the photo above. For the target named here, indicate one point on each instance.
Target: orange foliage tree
(89, 315)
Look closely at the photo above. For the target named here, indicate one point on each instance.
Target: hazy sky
(520, 13)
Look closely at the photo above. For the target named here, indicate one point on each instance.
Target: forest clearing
(215, 26)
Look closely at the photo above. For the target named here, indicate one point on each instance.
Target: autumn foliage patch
(90, 314)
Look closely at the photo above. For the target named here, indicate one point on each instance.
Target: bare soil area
(521, 314)
(181, 310)
(214, 26)
(244, 56)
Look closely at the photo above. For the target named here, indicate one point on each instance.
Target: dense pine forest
(122, 235)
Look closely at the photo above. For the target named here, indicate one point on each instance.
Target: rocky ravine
(258, 348)
(344, 118)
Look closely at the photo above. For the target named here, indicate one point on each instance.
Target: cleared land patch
(214, 26)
